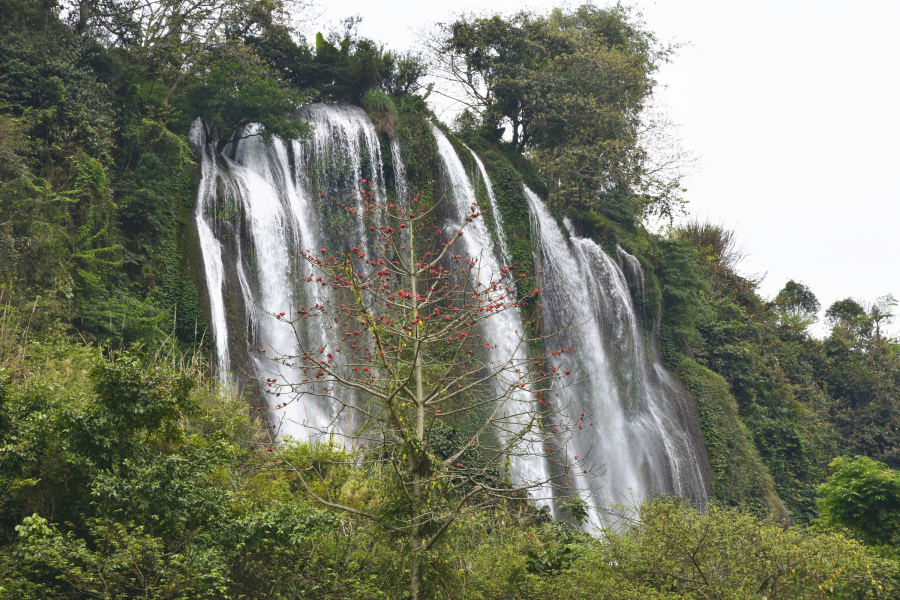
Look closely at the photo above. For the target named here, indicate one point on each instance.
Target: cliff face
(259, 205)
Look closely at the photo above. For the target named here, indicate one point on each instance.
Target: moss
(181, 255)
(192, 303)
(740, 478)
(525, 168)
(507, 183)
(418, 147)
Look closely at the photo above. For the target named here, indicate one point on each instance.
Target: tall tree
(573, 86)
(450, 427)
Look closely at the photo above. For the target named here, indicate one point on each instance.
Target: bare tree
(452, 426)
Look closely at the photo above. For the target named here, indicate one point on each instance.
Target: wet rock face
(258, 206)
(646, 434)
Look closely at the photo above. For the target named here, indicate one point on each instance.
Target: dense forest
(129, 469)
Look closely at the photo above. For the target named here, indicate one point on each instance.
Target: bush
(133, 478)
(862, 495)
(667, 546)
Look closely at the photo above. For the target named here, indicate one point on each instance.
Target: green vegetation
(863, 495)
(141, 481)
(805, 401)
(131, 477)
(97, 185)
(571, 86)
(739, 476)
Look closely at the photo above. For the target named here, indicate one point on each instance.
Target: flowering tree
(455, 419)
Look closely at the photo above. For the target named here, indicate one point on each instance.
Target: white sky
(791, 106)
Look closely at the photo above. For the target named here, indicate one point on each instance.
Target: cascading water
(210, 249)
(498, 328)
(634, 272)
(645, 433)
(255, 213)
(399, 173)
(495, 208)
(259, 206)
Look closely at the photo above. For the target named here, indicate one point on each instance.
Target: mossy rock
(740, 478)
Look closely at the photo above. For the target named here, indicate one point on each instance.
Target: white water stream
(645, 435)
(530, 466)
(256, 211)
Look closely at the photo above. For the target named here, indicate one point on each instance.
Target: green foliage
(681, 284)
(861, 371)
(380, 107)
(53, 82)
(342, 67)
(739, 476)
(571, 85)
(771, 373)
(121, 561)
(156, 199)
(798, 308)
(234, 94)
(803, 400)
(353, 65)
(191, 505)
(60, 435)
(882, 312)
(92, 191)
(720, 553)
(850, 315)
(418, 147)
(507, 186)
(716, 245)
(55, 192)
(143, 481)
(558, 556)
(797, 297)
(863, 496)
(141, 398)
(666, 549)
(863, 321)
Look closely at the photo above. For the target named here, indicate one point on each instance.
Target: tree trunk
(415, 568)
(417, 457)
(83, 16)
(523, 139)
(515, 134)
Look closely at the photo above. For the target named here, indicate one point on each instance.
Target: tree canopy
(572, 87)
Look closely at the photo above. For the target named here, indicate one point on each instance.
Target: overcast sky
(792, 108)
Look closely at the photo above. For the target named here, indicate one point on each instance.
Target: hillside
(136, 460)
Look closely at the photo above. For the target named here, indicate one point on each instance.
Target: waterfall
(631, 267)
(255, 212)
(211, 250)
(495, 208)
(499, 328)
(259, 206)
(645, 435)
(399, 173)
